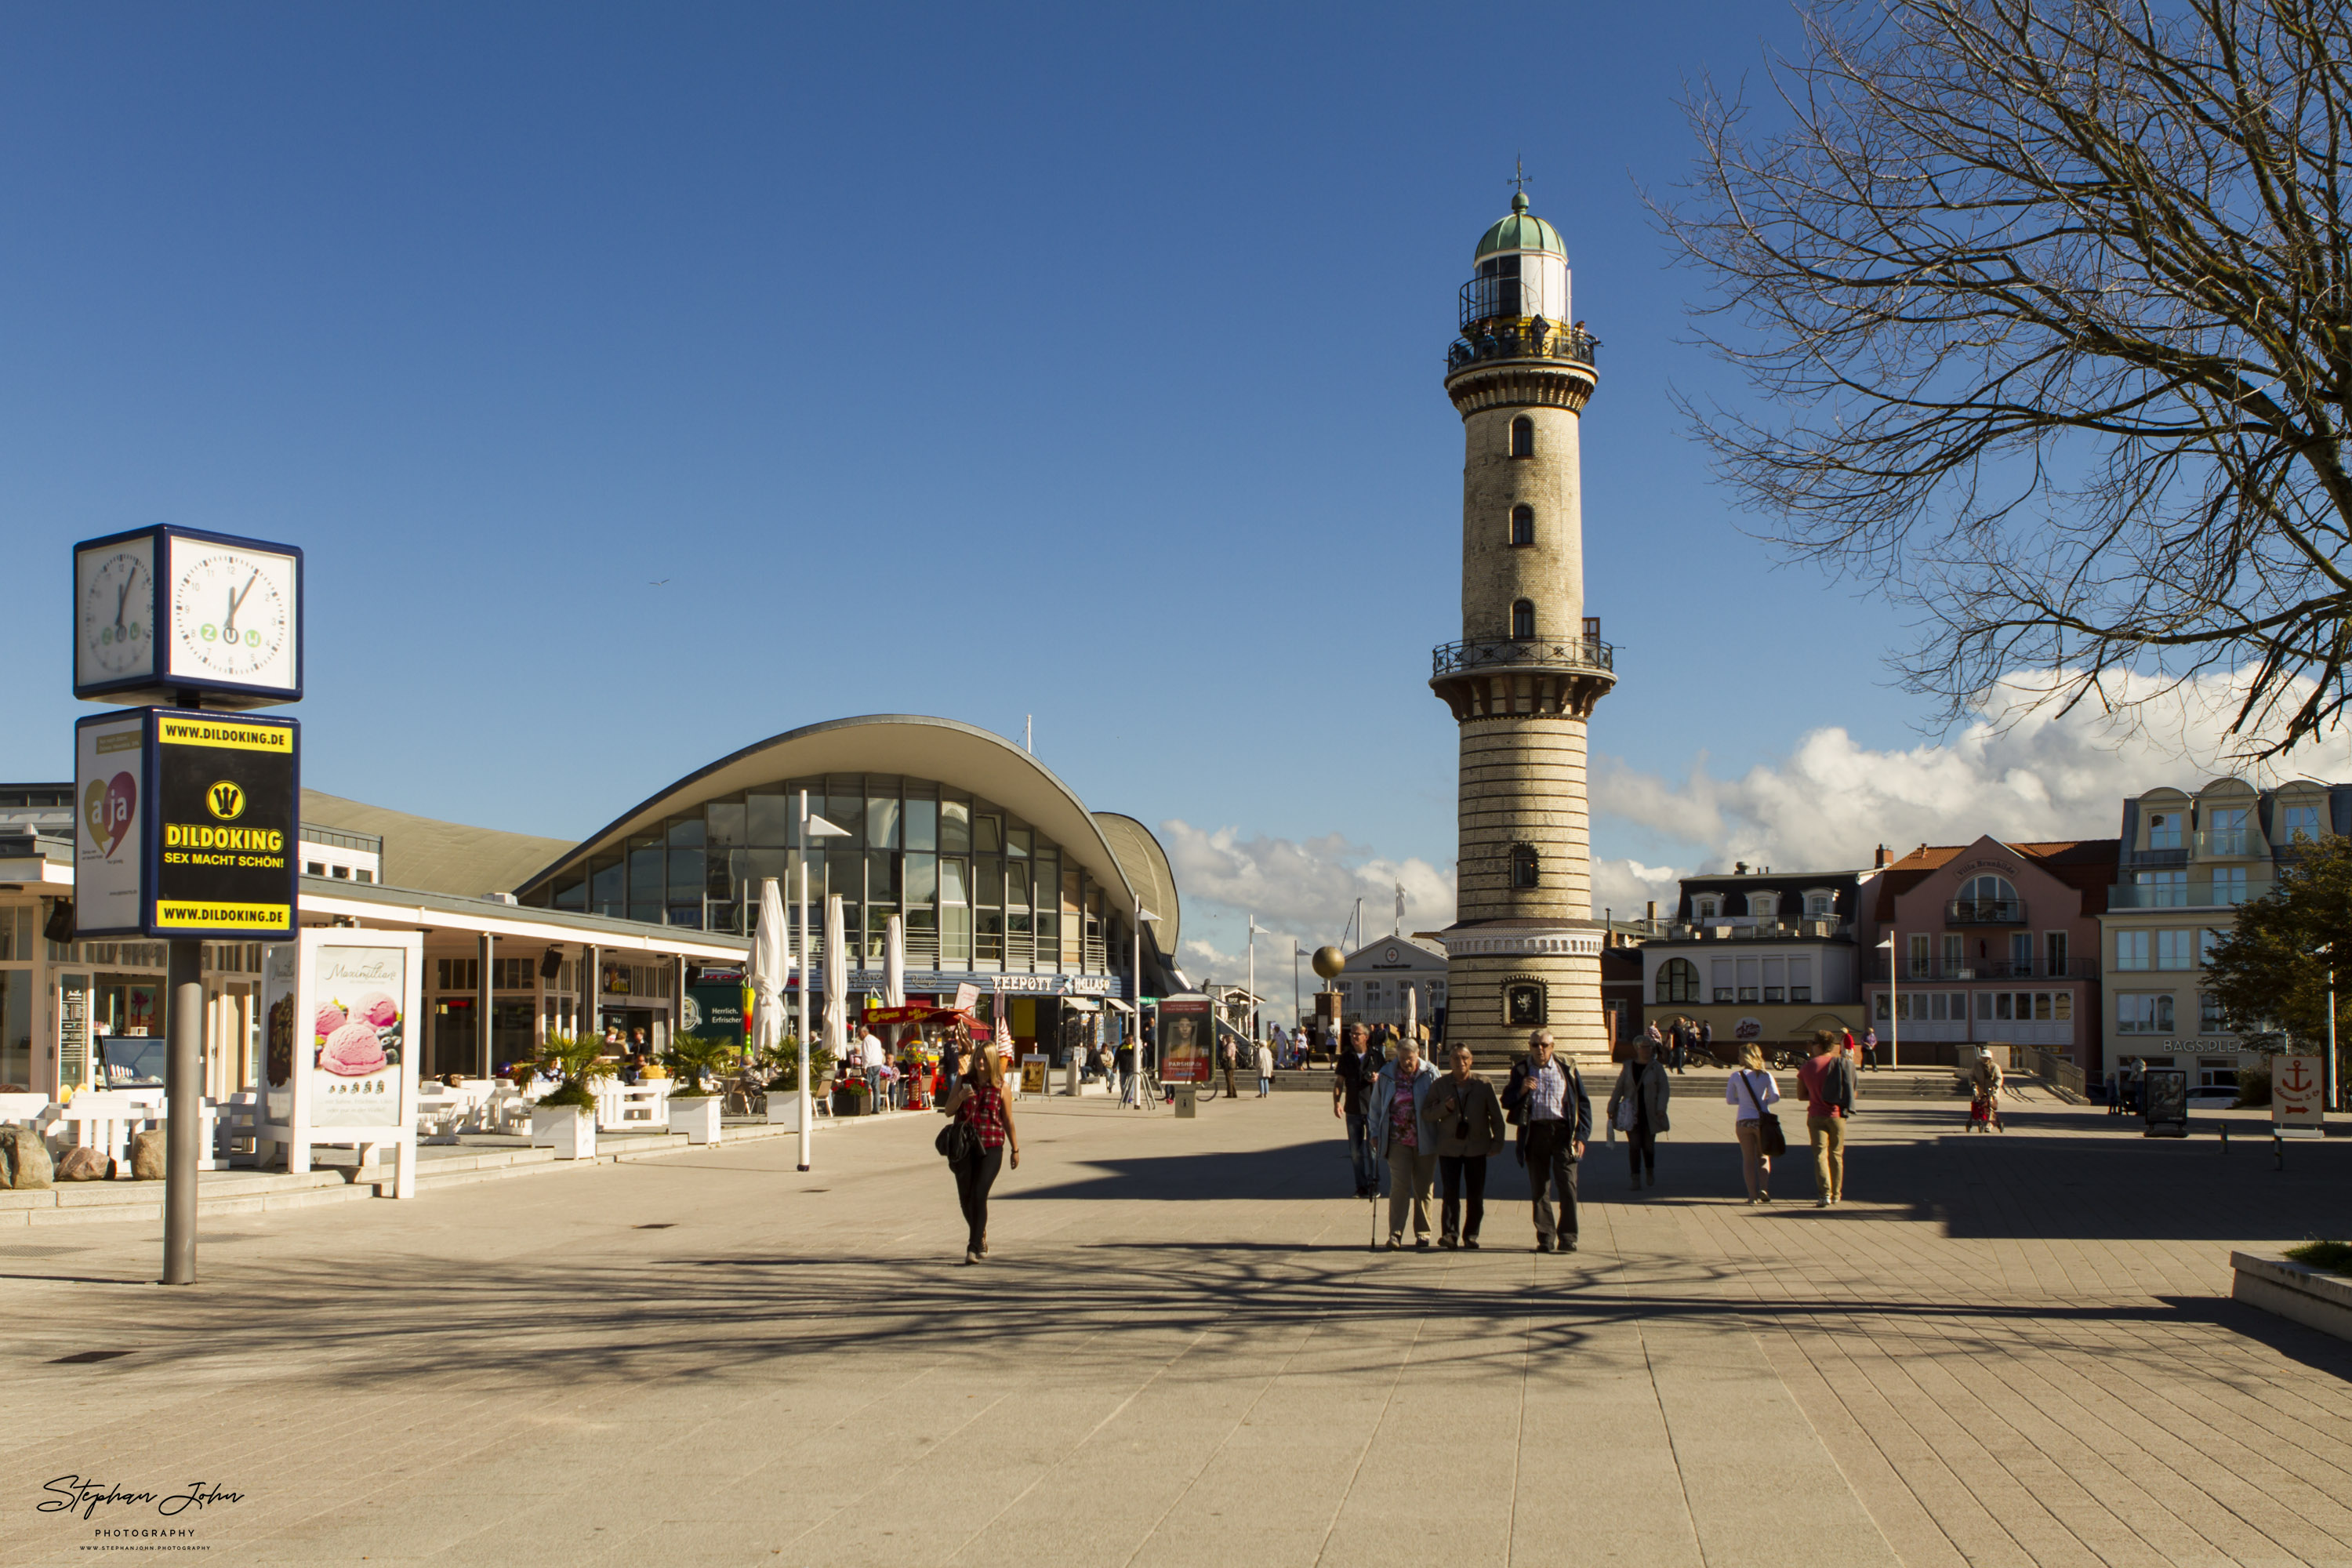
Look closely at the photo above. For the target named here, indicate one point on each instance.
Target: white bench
(643, 1106)
(105, 1120)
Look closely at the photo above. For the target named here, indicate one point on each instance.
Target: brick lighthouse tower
(1524, 951)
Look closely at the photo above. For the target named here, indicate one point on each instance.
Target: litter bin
(1186, 1103)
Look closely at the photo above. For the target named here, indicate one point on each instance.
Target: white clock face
(114, 610)
(232, 614)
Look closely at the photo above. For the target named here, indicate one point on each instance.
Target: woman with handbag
(1754, 1093)
(1637, 1108)
(979, 1131)
(1469, 1122)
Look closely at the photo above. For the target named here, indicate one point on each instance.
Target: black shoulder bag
(957, 1143)
(1769, 1139)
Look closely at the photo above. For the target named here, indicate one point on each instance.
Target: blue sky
(1079, 362)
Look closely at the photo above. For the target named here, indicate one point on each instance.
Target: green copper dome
(1521, 232)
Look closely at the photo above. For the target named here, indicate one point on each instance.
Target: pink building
(1994, 943)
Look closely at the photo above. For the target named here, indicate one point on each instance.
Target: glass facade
(981, 889)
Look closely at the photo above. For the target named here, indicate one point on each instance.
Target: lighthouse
(1524, 951)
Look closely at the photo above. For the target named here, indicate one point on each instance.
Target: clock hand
(119, 600)
(228, 627)
(228, 622)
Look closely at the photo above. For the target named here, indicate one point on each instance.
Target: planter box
(568, 1130)
(847, 1104)
(785, 1108)
(696, 1115)
(2312, 1296)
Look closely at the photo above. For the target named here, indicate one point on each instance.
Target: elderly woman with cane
(1404, 1139)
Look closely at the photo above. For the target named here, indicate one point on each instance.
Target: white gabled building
(1379, 977)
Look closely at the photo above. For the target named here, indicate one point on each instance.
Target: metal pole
(808, 1101)
(1134, 1095)
(1893, 1005)
(1253, 985)
(2331, 1027)
(184, 1109)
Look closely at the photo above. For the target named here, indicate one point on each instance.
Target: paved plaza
(2013, 1349)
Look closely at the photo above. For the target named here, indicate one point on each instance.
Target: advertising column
(339, 1068)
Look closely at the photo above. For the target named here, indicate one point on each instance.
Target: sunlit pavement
(2011, 1347)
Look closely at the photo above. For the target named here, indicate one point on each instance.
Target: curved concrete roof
(1149, 873)
(437, 857)
(917, 746)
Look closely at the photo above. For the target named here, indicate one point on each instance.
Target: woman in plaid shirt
(978, 1102)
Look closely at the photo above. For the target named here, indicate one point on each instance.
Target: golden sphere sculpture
(1328, 962)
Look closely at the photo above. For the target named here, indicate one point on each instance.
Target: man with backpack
(1827, 1079)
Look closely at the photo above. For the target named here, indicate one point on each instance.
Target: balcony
(1985, 912)
(1532, 653)
(1534, 338)
(2196, 893)
(2171, 856)
(1819, 929)
(1913, 972)
(2231, 844)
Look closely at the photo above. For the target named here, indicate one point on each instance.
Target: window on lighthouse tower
(1523, 865)
(1523, 621)
(1523, 437)
(1523, 525)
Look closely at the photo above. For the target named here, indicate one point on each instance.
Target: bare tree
(2052, 305)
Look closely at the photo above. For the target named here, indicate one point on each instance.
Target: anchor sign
(2298, 1091)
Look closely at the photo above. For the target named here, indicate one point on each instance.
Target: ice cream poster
(357, 1036)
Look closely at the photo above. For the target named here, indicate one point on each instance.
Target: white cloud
(1306, 889)
(2017, 773)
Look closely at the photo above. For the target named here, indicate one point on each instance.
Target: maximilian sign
(188, 823)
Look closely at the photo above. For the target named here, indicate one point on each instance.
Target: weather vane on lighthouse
(1519, 175)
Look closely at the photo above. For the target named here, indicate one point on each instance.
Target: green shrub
(2335, 1256)
(2254, 1086)
(691, 1056)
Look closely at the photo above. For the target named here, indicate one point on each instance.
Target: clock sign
(163, 613)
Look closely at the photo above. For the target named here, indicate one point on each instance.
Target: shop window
(456, 973)
(1523, 437)
(1523, 621)
(1523, 525)
(1677, 980)
(2143, 1013)
(1523, 865)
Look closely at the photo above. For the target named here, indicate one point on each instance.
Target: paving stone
(2010, 1349)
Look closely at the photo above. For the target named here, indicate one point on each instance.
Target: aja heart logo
(226, 801)
(107, 809)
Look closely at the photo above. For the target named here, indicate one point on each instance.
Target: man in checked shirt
(1546, 1097)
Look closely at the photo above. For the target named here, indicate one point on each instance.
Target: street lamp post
(1255, 931)
(1893, 1012)
(1135, 1070)
(821, 828)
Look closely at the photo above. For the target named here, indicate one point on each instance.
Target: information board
(341, 1009)
(111, 812)
(1187, 1026)
(225, 824)
(2298, 1093)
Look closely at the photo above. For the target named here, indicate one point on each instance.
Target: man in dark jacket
(1351, 1088)
(1546, 1097)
